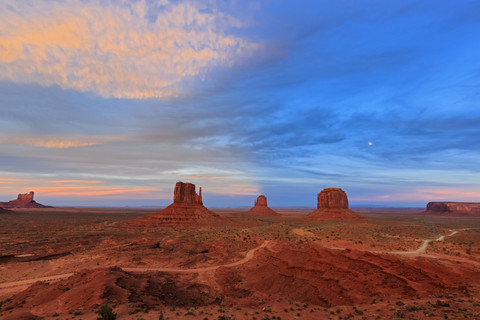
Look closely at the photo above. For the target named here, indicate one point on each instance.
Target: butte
(261, 209)
(24, 200)
(454, 209)
(332, 204)
(186, 210)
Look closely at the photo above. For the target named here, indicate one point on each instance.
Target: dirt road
(247, 258)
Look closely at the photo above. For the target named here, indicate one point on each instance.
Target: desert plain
(65, 263)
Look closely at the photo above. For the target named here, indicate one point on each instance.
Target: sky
(110, 103)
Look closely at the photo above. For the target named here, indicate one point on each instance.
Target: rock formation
(187, 209)
(261, 209)
(185, 193)
(24, 200)
(453, 208)
(332, 204)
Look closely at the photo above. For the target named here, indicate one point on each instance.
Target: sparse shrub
(400, 313)
(106, 313)
(357, 311)
(413, 307)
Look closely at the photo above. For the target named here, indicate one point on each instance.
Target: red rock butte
(24, 200)
(261, 209)
(187, 209)
(332, 204)
(467, 209)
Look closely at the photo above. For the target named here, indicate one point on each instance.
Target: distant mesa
(261, 209)
(24, 200)
(454, 209)
(332, 204)
(187, 209)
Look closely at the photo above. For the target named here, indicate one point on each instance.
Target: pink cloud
(112, 48)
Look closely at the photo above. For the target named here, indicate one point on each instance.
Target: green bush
(106, 313)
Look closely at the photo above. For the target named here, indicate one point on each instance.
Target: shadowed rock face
(185, 193)
(261, 209)
(454, 208)
(332, 204)
(261, 201)
(24, 200)
(332, 198)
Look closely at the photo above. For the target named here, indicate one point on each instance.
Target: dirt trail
(32, 281)
(423, 247)
(247, 258)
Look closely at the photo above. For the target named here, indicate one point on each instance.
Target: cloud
(56, 143)
(116, 49)
(92, 191)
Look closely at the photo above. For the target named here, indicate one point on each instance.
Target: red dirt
(179, 214)
(334, 214)
(307, 270)
(4, 210)
(310, 275)
(327, 277)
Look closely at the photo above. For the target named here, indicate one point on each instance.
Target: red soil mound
(334, 214)
(279, 273)
(261, 209)
(90, 289)
(4, 210)
(332, 204)
(327, 277)
(182, 215)
(21, 315)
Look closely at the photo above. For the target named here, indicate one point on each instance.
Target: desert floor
(64, 263)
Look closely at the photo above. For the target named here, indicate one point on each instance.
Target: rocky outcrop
(453, 208)
(332, 204)
(185, 193)
(186, 210)
(332, 198)
(24, 200)
(261, 209)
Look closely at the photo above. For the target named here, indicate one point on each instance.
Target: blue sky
(112, 102)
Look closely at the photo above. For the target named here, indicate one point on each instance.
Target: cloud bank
(116, 49)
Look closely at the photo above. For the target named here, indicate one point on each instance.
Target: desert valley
(188, 262)
(239, 160)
